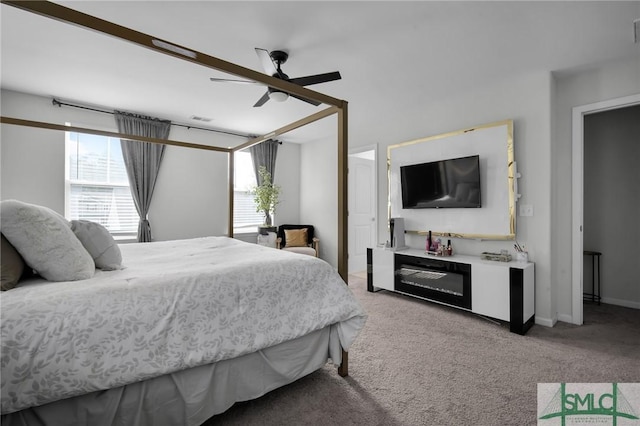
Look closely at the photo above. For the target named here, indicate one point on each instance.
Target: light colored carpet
(419, 363)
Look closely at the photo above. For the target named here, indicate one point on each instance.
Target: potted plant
(266, 196)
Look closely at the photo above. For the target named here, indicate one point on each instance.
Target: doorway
(578, 189)
(362, 205)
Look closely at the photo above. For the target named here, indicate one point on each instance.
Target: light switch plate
(526, 210)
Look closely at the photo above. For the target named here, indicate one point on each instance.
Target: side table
(267, 240)
(595, 258)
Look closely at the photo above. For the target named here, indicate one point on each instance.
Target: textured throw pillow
(45, 241)
(12, 265)
(295, 237)
(99, 243)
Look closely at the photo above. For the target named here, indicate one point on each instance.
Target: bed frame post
(343, 241)
(343, 369)
(343, 247)
(231, 195)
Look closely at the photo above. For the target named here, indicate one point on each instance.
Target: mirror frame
(511, 177)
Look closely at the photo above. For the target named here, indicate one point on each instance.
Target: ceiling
(393, 56)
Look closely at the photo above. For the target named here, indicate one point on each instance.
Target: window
(97, 187)
(245, 217)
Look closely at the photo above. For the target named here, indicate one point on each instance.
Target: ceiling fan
(271, 62)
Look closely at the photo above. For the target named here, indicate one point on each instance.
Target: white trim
(621, 302)
(577, 198)
(547, 322)
(565, 318)
(365, 148)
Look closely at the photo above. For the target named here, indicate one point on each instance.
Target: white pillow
(97, 240)
(45, 241)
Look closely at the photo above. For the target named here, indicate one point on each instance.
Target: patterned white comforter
(177, 304)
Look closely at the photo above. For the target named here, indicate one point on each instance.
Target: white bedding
(178, 304)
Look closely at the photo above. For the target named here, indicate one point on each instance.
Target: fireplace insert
(441, 281)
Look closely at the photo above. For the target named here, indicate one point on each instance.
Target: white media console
(504, 291)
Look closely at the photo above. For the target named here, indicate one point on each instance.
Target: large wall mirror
(463, 199)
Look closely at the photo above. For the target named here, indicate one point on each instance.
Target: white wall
(612, 202)
(29, 163)
(319, 193)
(287, 176)
(190, 198)
(582, 87)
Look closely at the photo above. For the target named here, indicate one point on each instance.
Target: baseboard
(618, 302)
(565, 318)
(625, 303)
(547, 322)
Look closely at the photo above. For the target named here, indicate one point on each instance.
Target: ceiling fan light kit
(271, 62)
(278, 96)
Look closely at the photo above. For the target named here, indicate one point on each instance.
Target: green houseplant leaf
(266, 195)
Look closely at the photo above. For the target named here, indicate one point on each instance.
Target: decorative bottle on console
(429, 243)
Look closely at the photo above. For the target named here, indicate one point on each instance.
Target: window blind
(245, 217)
(97, 184)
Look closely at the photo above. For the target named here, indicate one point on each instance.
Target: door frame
(577, 201)
(357, 150)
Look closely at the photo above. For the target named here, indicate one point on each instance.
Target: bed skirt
(190, 397)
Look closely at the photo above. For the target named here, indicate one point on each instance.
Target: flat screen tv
(453, 183)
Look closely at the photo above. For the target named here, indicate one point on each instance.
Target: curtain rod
(60, 104)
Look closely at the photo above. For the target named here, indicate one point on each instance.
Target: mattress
(176, 305)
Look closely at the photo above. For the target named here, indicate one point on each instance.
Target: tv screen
(453, 183)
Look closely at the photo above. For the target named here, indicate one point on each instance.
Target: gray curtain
(142, 161)
(264, 154)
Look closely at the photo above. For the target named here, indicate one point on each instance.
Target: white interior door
(362, 208)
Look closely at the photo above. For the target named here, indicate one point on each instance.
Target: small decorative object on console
(501, 257)
(439, 249)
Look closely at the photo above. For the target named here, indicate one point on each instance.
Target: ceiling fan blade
(262, 100)
(315, 103)
(268, 64)
(230, 80)
(315, 79)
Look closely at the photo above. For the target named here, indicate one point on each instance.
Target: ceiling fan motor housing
(279, 56)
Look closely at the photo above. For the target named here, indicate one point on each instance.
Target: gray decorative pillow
(45, 241)
(12, 265)
(99, 243)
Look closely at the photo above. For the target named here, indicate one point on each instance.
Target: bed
(186, 329)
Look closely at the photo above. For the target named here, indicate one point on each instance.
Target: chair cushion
(295, 237)
(282, 228)
(301, 250)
